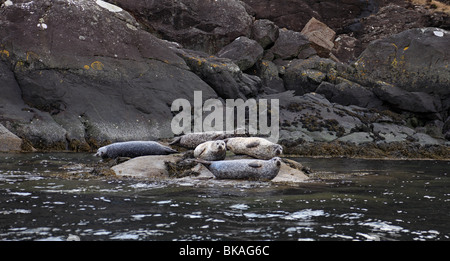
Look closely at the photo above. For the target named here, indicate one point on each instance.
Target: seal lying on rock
(254, 146)
(211, 150)
(192, 140)
(133, 149)
(252, 169)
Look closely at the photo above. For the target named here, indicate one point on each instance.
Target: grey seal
(133, 149)
(252, 169)
(211, 150)
(192, 140)
(256, 147)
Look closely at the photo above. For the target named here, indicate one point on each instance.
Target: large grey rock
(265, 32)
(80, 85)
(416, 60)
(242, 51)
(201, 25)
(291, 44)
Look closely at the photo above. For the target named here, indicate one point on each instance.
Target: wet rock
(242, 51)
(265, 32)
(8, 141)
(320, 35)
(291, 44)
(200, 25)
(357, 138)
(146, 167)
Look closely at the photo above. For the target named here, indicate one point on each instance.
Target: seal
(133, 149)
(211, 150)
(251, 169)
(256, 147)
(192, 140)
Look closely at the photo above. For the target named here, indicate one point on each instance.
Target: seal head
(211, 150)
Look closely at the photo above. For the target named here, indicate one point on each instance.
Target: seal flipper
(255, 164)
(252, 144)
(204, 162)
(175, 141)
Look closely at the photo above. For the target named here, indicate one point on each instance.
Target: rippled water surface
(354, 199)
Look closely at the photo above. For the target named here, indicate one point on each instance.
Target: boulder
(305, 76)
(8, 141)
(242, 51)
(146, 167)
(265, 32)
(418, 102)
(291, 44)
(115, 83)
(416, 60)
(320, 35)
(200, 25)
(222, 74)
(346, 48)
(268, 72)
(349, 93)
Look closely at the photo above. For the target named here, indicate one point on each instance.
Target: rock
(291, 44)
(265, 32)
(357, 138)
(321, 37)
(419, 102)
(349, 93)
(268, 72)
(222, 74)
(60, 97)
(346, 48)
(392, 132)
(146, 167)
(242, 51)
(294, 14)
(289, 173)
(416, 60)
(8, 141)
(200, 25)
(304, 76)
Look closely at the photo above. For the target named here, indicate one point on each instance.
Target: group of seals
(265, 167)
(210, 150)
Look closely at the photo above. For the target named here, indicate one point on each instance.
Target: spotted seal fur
(256, 147)
(252, 169)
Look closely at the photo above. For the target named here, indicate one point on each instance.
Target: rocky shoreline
(364, 80)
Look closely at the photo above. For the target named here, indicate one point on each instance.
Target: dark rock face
(200, 25)
(291, 44)
(243, 51)
(265, 32)
(416, 60)
(76, 85)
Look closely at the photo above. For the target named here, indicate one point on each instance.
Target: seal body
(133, 149)
(192, 140)
(211, 150)
(252, 169)
(256, 147)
